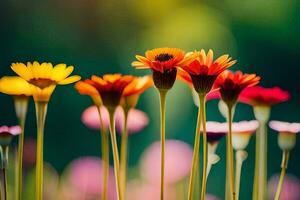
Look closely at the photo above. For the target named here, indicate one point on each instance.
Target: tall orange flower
(231, 84)
(164, 63)
(203, 70)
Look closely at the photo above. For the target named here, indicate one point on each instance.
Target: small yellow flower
(43, 77)
(14, 86)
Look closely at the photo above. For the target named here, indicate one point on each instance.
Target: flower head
(241, 133)
(231, 84)
(177, 154)
(137, 120)
(7, 133)
(215, 131)
(287, 133)
(164, 63)
(109, 88)
(15, 86)
(43, 77)
(260, 96)
(133, 90)
(203, 70)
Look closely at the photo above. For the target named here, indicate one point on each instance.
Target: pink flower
(245, 127)
(215, 131)
(290, 188)
(178, 159)
(285, 127)
(137, 120)
(83, 180)
(7, 133)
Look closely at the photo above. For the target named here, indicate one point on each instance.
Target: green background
(103, 36)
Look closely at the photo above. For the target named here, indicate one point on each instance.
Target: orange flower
(203, 70)
(108, 88)
(163, 62)
(232, 84)
(133, 90)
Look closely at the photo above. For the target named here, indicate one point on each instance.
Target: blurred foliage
(101, 36)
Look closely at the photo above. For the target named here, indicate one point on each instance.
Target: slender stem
(256, 171)
(284, 163)
(238, 170)
(162, 97)
(124, 153)
(229, 156)
(205, 154)
(21, 104)
(115, 152)
(105, 157)
(5, 183)
(195, 156)
(41, 110)
(262, 162)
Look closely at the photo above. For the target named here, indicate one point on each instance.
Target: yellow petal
(14, 85)
(21, 70)
(209, 58)
(69, 80)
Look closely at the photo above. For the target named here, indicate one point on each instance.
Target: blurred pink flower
(10, 130)
(285, 127)
(7, 133)
(29, 154)
(215, 131)
(137, 190)
(137, 120)
(178, 159)
(210, 197)
(83, 180)
(245, 126)
(290, 188)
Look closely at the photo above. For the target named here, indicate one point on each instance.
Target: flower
(287, 133)
(43, 77)
(215, 131)
(203, 70)
(137, 120)
(241, 133)
(177, 154)
(164, 63)
(110, 87)
(261, 96)
(82, 180)
(133, 90)
(7, 133)
(231, 84)
(15, 86)
(290, 188)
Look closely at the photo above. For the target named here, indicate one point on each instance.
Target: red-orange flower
(231, 84)
(110, 87)
(260, 96)
(203, 70)
(164, 63)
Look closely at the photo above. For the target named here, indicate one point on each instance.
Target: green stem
(195, 156)
(162, 97)
(124, 153)
(205, 154)
(262, 162)
(105, 157)
(115, 152)
(238, 170)
(255, 181)
(21, 104)
(284, 163)
(229, 155)
(41, 110)
(5, 183)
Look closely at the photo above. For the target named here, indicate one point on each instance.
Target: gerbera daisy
(261, 96)
(43, 77)
(164, 63)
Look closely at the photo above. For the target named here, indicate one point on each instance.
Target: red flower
(231, 84)
(264, 96)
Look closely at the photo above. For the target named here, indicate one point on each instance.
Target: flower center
(163, 57)
(42, 82)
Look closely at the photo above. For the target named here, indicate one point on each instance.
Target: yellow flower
(43, 77)
(15, 86)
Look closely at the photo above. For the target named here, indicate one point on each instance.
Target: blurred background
(103, 36)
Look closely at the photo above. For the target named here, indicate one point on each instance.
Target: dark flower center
(163, 57)
(42, 82)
